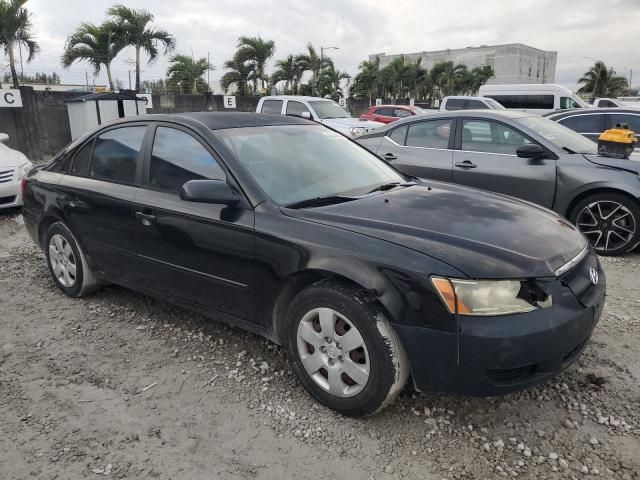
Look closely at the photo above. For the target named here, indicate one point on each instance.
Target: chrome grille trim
(573, 262)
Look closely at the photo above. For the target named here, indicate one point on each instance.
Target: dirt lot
(123, 386)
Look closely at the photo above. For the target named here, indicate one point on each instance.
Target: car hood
(11, 158)
(342, 123)
(483, 235)
(632, 164)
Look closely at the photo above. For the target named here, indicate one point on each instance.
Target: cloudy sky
(608, 31)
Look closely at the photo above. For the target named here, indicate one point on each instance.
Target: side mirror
(306, 115)
(4, 137)
(531, 150)
(209, 191)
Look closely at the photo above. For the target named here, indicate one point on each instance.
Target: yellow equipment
(617, 142)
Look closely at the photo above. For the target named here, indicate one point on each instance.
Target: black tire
(388, 368)
(84, 282)
(610, 221)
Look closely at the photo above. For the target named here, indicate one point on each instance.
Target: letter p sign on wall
(229, 101)
(10, 99)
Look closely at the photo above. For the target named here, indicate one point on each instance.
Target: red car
(390, 113)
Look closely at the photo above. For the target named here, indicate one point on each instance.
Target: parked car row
(13, 168)
(366, 274)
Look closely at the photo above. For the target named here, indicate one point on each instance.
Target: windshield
(328, 109)
(292, 163)
(494, 104)
(562, 137)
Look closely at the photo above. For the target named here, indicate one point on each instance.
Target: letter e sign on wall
(229, 101)
(10, 99)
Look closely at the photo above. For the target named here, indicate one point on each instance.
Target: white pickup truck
(613, 103)
(321, 110)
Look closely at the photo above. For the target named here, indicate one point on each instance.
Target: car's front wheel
(610, 221)
(344, 350)
(67, 263)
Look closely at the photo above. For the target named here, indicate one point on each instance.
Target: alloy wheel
(333, 352)
(607, 224)
(63, 261)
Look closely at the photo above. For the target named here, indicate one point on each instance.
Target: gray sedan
(525, 156)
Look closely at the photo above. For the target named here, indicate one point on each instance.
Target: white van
(538, 98)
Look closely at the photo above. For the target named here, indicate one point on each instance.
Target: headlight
(490, 297)
(24, 169)
(357, 131)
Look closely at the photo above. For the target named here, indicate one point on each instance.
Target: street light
(322, 49)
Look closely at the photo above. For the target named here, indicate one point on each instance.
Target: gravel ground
(123, 386)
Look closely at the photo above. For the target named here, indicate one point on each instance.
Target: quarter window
(401, 113)
(398, 134)
(429, 134)
(115, 155)
(295, 108)
(568, 102)
(633, 121)
(272, 106)
(491, 137)
(82, 159)
(178, 157)
(584, 123)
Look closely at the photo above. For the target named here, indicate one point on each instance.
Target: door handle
(78, 205)
(466, 165)
(146, 218)
(389, 156)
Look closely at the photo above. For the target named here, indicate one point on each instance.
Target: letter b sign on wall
(10, 99)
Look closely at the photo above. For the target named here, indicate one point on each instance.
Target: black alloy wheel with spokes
(609, 221)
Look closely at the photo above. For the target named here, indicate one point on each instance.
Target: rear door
(591, 125)
(197, 252)
(421, 148)
(632, 120)
(487, 159)
(98, 191)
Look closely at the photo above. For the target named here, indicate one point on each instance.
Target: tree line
(246, 71)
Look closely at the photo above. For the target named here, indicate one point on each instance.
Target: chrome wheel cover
(607, 224)
(333, 352)
(63, 261)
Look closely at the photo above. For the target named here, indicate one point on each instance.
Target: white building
(512, 63)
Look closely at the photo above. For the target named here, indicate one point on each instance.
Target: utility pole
(208, 72)
(86, 76)
(322, 49)
(21, 66)
(129, 79)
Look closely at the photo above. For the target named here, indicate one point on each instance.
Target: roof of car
(295, 97)
(222, 120)
(591, 111)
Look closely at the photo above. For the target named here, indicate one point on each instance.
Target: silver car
(13, 168)
(525, 156)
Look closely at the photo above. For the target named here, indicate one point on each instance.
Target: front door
(421, 148)
(197, 252)
(487, 159)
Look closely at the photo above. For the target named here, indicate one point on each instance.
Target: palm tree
(15, 30)
(239, 73)
(447, 77)
(289, 71)
(601, 81)
(96, 44)
(330, 80)
(185, 71)
(366, 81)
(257, 52)
(314, 63)
(139, 35)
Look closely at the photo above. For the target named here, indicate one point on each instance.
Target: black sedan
(526, 156)
(591, 122)
(292, 231)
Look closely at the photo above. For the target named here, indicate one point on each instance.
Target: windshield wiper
(388, 186)
(568, 150)
(320, 201)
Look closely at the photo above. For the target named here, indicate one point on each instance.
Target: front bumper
(10, 194)
(497, 355)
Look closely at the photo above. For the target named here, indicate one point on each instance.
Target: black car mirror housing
(531, 150)
(209, 191)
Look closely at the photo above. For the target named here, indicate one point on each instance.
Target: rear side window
(80, 165)
(401, 113)
(398, 134)
(542, 102)
(272, 106)
(633, 121)
(178, 157)
(115, 155)
(429, 134)
(385, 112)
(476, 105)
(295, 108)
(584, 123)
(455, 104)
(606, 104)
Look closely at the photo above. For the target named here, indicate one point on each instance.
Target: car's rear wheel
(343, 349)
(610, 221)
(67, 263)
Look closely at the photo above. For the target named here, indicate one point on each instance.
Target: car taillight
(23, 185)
